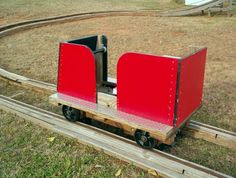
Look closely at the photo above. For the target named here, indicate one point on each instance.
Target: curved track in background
(25, 25)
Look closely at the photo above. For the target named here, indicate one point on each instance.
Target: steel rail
(161, 164)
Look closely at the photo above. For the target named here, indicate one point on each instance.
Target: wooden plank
(211, 134)
(130, 122)
(163, 164)
(107, 100)
(11, 76)
(24, 81)
(51, 88)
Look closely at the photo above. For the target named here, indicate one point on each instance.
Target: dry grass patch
(17, 10)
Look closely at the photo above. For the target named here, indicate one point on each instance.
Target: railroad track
(194, 129)
(160, 163)
(25, 25)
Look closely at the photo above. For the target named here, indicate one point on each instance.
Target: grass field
(26, 150)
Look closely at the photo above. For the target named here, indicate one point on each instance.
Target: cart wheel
(71, 114)
(144, 140)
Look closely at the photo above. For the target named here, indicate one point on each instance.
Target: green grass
(25, 151)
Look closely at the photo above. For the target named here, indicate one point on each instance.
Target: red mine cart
(154, 96)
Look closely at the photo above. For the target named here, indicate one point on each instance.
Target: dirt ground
(34, 53)
(18, 10)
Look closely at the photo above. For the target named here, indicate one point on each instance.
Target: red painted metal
(146, 86)
(77, 72)
(190, 84)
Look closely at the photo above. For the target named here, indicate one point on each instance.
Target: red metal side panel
(76, 72)
(191, 84)
(146, 86)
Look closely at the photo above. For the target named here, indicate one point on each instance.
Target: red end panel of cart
(190, 84)
(76, 73)
(146, 86)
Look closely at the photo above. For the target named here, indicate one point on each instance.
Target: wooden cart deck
(128, 122)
